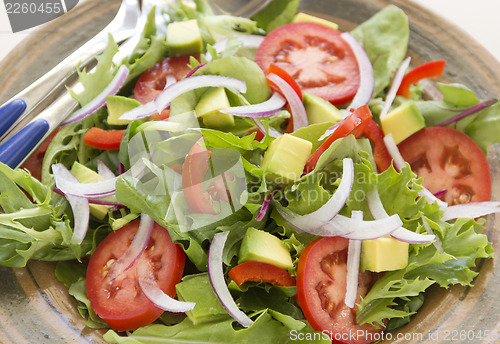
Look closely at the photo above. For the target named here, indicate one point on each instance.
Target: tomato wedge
(253, 271)
(381, 155)
(317, 58)
(355, 124)
(432, 69)
(103, 139)
(448, 160)
(121, 302)
(321, 287)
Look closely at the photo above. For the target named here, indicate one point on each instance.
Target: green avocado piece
(197, 289)
(285, 158)
(208, 108)
(86, 175)
(117, 106)
(264, 247)
(224, 26)
(402, 121)
(384, 254)
(244, 69)
(184, 38)
(319, 110)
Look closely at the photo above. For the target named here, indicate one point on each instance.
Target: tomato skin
(152, 82)
(449, 160)
(321, 287)
(103, 139)
(355, 124)
(432, 69)
(261, 272)
(319, 60)
(121, 304)
(381, 155)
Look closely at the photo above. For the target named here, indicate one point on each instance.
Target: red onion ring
(218, 282)
(470, 210)
(267, 108)
(396, 82)
(353, 262)
(99, 101)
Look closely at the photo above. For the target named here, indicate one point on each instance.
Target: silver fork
(30, 101)
(28, 135)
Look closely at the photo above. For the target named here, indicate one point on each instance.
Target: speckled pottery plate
(35, 308)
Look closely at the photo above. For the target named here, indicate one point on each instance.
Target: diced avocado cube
(285, 159)
(303, 17)
(264, 247)
(117, 106)
(319, 110)
(197, 289)
(384, 254)
(184, 38)
(209, 106)
(403, 121)
(86, 175)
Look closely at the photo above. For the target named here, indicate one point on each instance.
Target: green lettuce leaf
(276, 13)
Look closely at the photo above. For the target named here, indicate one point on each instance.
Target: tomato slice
(274, 69)
(35, 161)
(152, 82)
(321, 287)
(380, 153)
(355, 124)
(317, 58)
(432, 69)
(449, 160)
(193, 172)
(121, 302)
(103, 139)
(253, 271)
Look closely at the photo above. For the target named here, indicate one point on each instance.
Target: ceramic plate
(35, 308)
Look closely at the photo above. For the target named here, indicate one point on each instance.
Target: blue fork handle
(18, 147)
(9, 113)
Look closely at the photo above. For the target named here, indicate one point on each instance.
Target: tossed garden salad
(264, 180)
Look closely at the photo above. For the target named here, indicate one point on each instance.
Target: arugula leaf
(485, 127)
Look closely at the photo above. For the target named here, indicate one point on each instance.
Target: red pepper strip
(380, 153)
(430, 69)
(103, 139)
(288, 78)
(162, 116)
(355, 124)
(254, 271)
(259, 136)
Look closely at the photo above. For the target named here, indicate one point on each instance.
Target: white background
(480, 18)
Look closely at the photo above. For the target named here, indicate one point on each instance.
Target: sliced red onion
(265, 205)
(79, 206)
(270, 131)
(397, 158)
(313, 222)
(355, 229)
(267, 108)
(366, 84)
(152, 291)
(141, 111)
(378, 212)
(431, 198)
(104, 170)
(192, 71)
(104, 202)
(353, 261)
(396, 82)
(331, 130)
(136, 248)
(99, 101)
(218, 282)
(470, 210)
(470, 111)
(440, 193)
(195, 82)
(296, 106)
